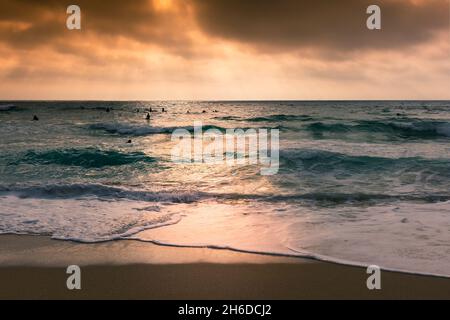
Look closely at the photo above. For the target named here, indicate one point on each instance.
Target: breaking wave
(7, 107)
(73, 191)
(272, 118)
(409, 129)
(86, 158)
(84, 191)
(139, 130)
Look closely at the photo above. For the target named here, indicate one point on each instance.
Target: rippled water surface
(359, 182)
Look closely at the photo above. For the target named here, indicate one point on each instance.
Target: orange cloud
(224, 49)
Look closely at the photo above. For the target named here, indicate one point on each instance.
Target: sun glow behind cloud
(163, 5)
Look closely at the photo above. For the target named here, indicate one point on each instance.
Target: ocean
(359, 182)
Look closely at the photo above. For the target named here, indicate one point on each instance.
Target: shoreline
(34, 267)
(226, 255)
(43, 251)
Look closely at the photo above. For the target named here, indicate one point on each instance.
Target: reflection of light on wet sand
(255, 227)
(40, 251)
(242, 226)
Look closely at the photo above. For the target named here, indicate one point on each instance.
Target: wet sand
(35, 268)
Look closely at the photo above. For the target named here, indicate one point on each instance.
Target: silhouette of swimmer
(148, 116)
(204, 111)
(108, 110)
(35, 118)
(129, 141)
(150, 110)
(163, 110)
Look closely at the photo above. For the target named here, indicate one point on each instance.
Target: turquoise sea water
(359, 182)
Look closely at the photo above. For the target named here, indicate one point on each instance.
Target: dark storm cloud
(29, 23)
(323, 24)
(334, 27)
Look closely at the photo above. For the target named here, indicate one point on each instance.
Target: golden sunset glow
(162, 5)
(217, 49)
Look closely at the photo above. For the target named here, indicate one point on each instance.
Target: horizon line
(218, 100)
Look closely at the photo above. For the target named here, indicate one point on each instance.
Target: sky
(224, 50)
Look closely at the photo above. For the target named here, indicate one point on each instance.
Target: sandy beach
(35, 268)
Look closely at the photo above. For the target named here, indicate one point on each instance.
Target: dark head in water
(129, 141)
(148, 116)
(204, 111)
(35, 118)
(108, 110)
(163, 110)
